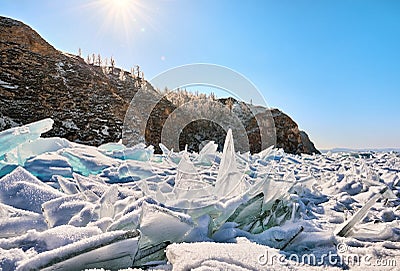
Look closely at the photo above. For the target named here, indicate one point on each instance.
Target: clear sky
(332, 65)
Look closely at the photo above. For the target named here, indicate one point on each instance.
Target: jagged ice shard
(230, 181)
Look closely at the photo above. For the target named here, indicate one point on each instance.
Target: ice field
(67, 206)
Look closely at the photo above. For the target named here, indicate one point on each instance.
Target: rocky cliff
(38, 81)
(88, 102)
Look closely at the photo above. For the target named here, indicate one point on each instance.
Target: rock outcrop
(289, 137)
(88, 103)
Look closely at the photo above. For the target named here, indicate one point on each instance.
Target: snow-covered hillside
(67, 206)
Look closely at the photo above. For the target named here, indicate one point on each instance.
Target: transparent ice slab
(11, 138)
(189, 183)
(357, 217)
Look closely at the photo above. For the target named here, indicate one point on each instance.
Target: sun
(121, 7)
(120, 4)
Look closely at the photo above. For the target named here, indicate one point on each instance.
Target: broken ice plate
(111, 250)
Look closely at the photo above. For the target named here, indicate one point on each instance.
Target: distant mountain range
(88, 101)
(361, 150)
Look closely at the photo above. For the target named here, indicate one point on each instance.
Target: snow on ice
(67, 206)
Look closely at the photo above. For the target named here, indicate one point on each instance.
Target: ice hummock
(62, 204)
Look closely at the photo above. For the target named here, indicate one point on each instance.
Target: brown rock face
(15, 32)
(88, 103)
(289, 137)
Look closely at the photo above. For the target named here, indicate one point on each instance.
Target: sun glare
(123, 18)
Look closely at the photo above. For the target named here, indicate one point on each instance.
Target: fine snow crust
(67, 206)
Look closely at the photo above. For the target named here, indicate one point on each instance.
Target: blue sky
(332, 65)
